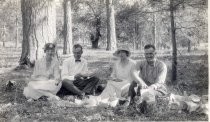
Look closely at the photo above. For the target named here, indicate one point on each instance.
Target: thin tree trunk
(67, 44)
(189, 46)
(136, 36)
(17, 36)
(98, 33)
(16, 22)
(111, 34)
(173, 37)
(39, 28)
(154, 30)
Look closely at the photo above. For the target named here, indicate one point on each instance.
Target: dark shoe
(124, 103)
(82, 96)
(142, 107)
(43, 98)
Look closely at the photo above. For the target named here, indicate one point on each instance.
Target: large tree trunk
(173, 37)
(111, 34)
(39, 28)
(68, 44)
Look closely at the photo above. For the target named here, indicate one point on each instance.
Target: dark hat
(49, 46)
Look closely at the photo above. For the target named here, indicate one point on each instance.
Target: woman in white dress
(118, 84)
(46, 76)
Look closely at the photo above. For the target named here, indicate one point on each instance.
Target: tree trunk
(173, 37)
(67, 44)
(111, 34)
(39, 28)
(97, 36)
(136, 35)
(153, 30)
(189, 46)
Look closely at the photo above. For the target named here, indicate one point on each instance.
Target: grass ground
(192, 70)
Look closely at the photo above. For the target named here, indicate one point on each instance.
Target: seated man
(151, 77)
(46, 76)
(75, 75)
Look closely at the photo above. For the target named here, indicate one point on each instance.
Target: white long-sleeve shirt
(123, 72)
(70, 68)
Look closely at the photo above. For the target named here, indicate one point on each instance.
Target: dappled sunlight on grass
(192, 70)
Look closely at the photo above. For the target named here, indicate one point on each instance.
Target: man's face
(77, 53)
(50, 54)
(149, 54)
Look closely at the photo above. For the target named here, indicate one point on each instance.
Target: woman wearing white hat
(118, 84)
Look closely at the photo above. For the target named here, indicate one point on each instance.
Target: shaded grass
(192, 71)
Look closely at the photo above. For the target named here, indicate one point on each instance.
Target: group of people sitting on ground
(129, 79)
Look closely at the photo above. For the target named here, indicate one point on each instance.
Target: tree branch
(91, 8)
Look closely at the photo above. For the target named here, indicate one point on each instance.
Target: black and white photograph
(104, 60)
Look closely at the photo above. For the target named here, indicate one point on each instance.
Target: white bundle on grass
(192, 103)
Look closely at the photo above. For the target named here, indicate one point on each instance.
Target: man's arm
(135, 74)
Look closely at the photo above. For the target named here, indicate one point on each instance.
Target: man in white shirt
(74, 74)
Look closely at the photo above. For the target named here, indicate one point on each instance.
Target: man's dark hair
(78, 46)
(149, 46)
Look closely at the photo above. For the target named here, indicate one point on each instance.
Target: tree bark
(39, 28)
(97, 36)
(174, 49)
(189, 46)
(111, 34)
(67, 44)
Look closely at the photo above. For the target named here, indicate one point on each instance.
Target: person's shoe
(53, 98)
(124, 103)
(30, 100)
(43, 98)
(142, 107)
(82, 96)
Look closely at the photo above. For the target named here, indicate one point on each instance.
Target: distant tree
(175, 5)
(90, 14)
(111, 34)
(131, 25)
(39, 28)
(10, 20)
(67, 33)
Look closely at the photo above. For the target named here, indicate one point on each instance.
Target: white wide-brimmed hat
(124, 48)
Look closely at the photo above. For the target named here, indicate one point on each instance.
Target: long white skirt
(113, 92)
(115, 89)
(37, 89)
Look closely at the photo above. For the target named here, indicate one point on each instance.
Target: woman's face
(50, 54)
(122, 54)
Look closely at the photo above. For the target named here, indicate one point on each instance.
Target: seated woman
(118, 84)
(46, 76)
